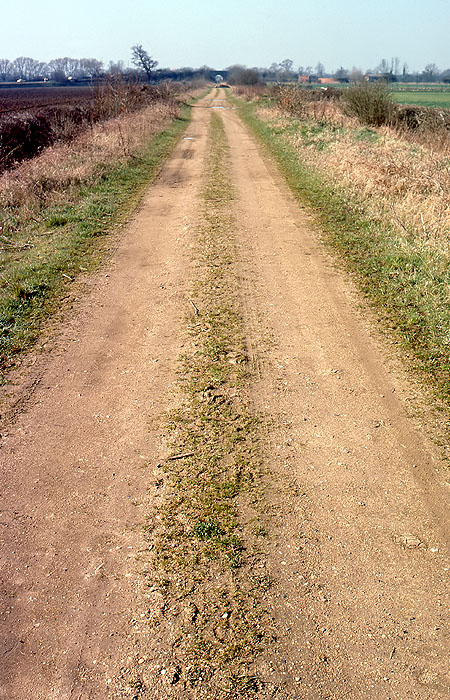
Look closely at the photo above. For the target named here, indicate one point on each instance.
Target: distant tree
(387, 70)
(141, 59)
(285, 70)
(6, 69)
(395, 66)
(241, 75)
(206, 72)
(116, 68)
(73, 68)
(341, 74)
(235, 73)
(445, 76)
(430, 73)
(272, 72)
(58, 76)
(320, 70)
(58, 68)
(286, 65)
(356, 75)
(383, 67)
(38, 70)
(26, 67)
(91, 67)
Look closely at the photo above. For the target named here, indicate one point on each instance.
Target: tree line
(390, 70)
(60, 70)
(28, 69)
(67, 69)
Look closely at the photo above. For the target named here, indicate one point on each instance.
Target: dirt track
(359, 554)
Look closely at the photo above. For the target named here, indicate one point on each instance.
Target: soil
(360, 532)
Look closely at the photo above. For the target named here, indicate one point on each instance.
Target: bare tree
(285, 70)
(141, 59)
(206, 71)
(6, 69)
(116, 68)
(241, 75)
(341, 74)
(25, 67)
(41, 70)
(395, 65)
(320, 70)
(73, 67)
(91, 67)
(59, 67)
(356, 75)
(430, 73)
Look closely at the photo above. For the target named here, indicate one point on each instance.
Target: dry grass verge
(405, 185)
(372, 106)
(47, 179)
(55, 208)
(383, 203)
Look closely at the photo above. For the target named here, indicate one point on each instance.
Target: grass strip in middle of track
(208, 537)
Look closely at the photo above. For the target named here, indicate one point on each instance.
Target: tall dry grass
(371, 106)
(403, 181)
(55, 176)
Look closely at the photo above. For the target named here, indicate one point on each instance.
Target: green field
(424, 97)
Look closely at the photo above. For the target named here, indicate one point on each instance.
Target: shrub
(371, 103)
(292, 99)
(415, 117)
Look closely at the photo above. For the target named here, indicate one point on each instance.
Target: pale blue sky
(253, 32)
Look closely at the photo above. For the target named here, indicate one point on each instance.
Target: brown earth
(18, 99)
(360, 600)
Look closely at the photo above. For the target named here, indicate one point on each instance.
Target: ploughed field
(21, 99)
(33, 119)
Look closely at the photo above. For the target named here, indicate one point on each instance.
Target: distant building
(373, 78)
(306, 79)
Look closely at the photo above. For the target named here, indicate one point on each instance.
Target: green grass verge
(408, 285)
(31, 289)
